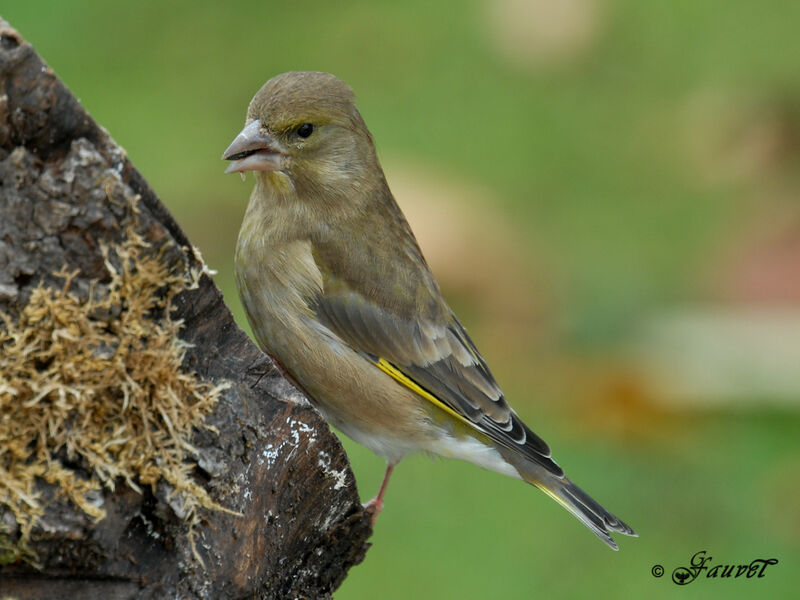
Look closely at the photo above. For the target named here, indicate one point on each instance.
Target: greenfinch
(338, 293)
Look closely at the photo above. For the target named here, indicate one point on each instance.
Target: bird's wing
(434, 358)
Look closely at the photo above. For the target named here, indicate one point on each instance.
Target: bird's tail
(576, 501)
(586, 509)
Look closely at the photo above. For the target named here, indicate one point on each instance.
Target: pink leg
(376, 504)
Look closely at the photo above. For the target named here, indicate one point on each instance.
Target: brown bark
(273, 460)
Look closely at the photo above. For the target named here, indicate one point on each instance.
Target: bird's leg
(376, 504)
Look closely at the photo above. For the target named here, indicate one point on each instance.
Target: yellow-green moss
(98, 381)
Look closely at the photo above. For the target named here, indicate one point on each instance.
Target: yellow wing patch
(402, 378)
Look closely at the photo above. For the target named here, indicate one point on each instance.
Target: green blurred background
(608, 191)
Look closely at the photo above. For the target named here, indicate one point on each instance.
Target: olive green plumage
(338, 292)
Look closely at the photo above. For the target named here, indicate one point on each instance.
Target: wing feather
(434, 358)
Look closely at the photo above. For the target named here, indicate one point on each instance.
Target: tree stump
(291, 524)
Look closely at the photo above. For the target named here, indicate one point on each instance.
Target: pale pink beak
(253, 150)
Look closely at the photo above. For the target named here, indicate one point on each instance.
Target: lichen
(92, 393)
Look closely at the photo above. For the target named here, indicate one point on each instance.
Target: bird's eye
(305, 130)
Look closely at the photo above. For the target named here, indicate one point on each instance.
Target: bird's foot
(375, 506)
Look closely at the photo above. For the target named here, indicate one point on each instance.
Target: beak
(253, 150)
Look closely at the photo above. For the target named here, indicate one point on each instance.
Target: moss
(92, 394)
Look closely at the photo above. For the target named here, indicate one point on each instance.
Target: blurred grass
(591, 162)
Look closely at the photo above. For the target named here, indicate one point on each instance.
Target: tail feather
(574, 499)
(585, 508)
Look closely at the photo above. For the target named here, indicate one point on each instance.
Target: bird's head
(304, 133)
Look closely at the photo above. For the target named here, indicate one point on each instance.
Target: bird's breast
(276, 284)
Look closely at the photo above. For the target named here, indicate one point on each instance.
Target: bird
(337, 292)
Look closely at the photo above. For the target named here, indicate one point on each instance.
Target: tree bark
(273, 460)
